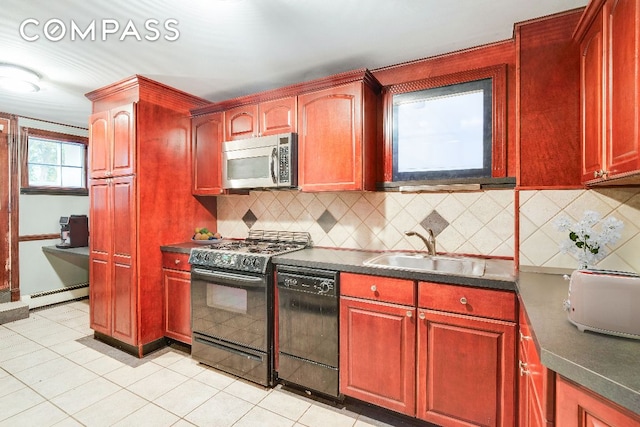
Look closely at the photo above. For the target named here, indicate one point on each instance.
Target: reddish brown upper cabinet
(579, 407)
(610, 92)
(139, 199)
(337, 137)
(261, 119)
(207, 135)
(466, 356)
(112, 135)
(176, 280)
(377, 341)
(536, 387)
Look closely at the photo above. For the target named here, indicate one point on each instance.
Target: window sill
(447, 185)
(55, 191)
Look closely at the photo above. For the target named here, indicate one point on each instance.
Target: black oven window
(227, 298)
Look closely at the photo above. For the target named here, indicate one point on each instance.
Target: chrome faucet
(429, 242)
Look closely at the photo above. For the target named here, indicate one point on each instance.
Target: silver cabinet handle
(422, 315)
(177, 261)
(409, 313)
(373, 288)
(524, 337)
(463, 300)
(523, 368)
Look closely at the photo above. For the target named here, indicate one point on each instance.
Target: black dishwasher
(308, 328)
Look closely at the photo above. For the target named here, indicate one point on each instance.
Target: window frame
(498, 76)
(25, 188)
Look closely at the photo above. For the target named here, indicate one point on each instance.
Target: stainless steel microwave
(262, 162)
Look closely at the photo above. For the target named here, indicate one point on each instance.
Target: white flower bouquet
(586, 243)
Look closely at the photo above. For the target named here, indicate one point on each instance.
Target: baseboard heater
(55, 296)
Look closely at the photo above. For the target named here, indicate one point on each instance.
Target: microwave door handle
(274, 159)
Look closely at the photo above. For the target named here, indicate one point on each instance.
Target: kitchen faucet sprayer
(429, 242)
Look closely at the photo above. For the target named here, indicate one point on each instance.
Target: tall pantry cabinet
(140, 198)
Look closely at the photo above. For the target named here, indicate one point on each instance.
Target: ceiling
(229, 48)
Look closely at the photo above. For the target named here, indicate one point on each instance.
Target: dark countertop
(608, 365)
(78, 252)
(498, 273)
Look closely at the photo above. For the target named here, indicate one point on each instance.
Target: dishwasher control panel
(320, 282)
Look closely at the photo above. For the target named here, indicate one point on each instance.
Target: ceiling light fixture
(18, 79)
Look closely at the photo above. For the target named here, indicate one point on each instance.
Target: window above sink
(447, 129)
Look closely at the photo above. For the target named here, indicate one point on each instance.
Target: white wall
(40, 214)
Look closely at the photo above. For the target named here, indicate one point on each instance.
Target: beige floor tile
(221, 410)
(18, 350)
(30, 360)
(127, 375)
(183, 423)
(85, 395)
(157, 384)
(263, 418)
(187, 367)
(18, 401)
(286, 404)
(68, 422)
(67, 347)
(149, 415)
(318, 416)
(250, 392)
(6, 332)
(45, 370)
(214, 378)
(41, 415)
(186, 397)
(111, 409)
(62, 382)
(3, 373)
(103, 365)
(82, 357)
(62, 336)
(9, 384)
(168, 358)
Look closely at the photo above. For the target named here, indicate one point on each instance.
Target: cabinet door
(123, 140)
(207, 137)
(592, 98)
(622, 27)
(278, 116)
(177, 298)
(124, 295)
(578, 407)
(377, 353)
(99, 145)
(100, 256)
(241, 122)
(465, 370)
(330, 139)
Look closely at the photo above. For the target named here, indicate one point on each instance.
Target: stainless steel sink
(431, 264)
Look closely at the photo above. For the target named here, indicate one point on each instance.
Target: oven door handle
(228, 276)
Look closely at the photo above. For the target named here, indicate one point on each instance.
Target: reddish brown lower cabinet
(378, 353)
(579, 407)
(536, 387)
(377, 341)
(112, 272)
(465, 364)
(176, 280)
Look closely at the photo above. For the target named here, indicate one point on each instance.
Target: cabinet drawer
(398, 291)
(175, 261)
(466, 300)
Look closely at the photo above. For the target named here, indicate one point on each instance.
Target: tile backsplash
(473, 223)
(539, 239)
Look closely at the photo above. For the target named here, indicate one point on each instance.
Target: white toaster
(605, 301)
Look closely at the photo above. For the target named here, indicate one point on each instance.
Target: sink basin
(430, 264)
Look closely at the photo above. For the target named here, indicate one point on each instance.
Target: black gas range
(232, 302)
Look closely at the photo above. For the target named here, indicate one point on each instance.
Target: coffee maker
(74, 231)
